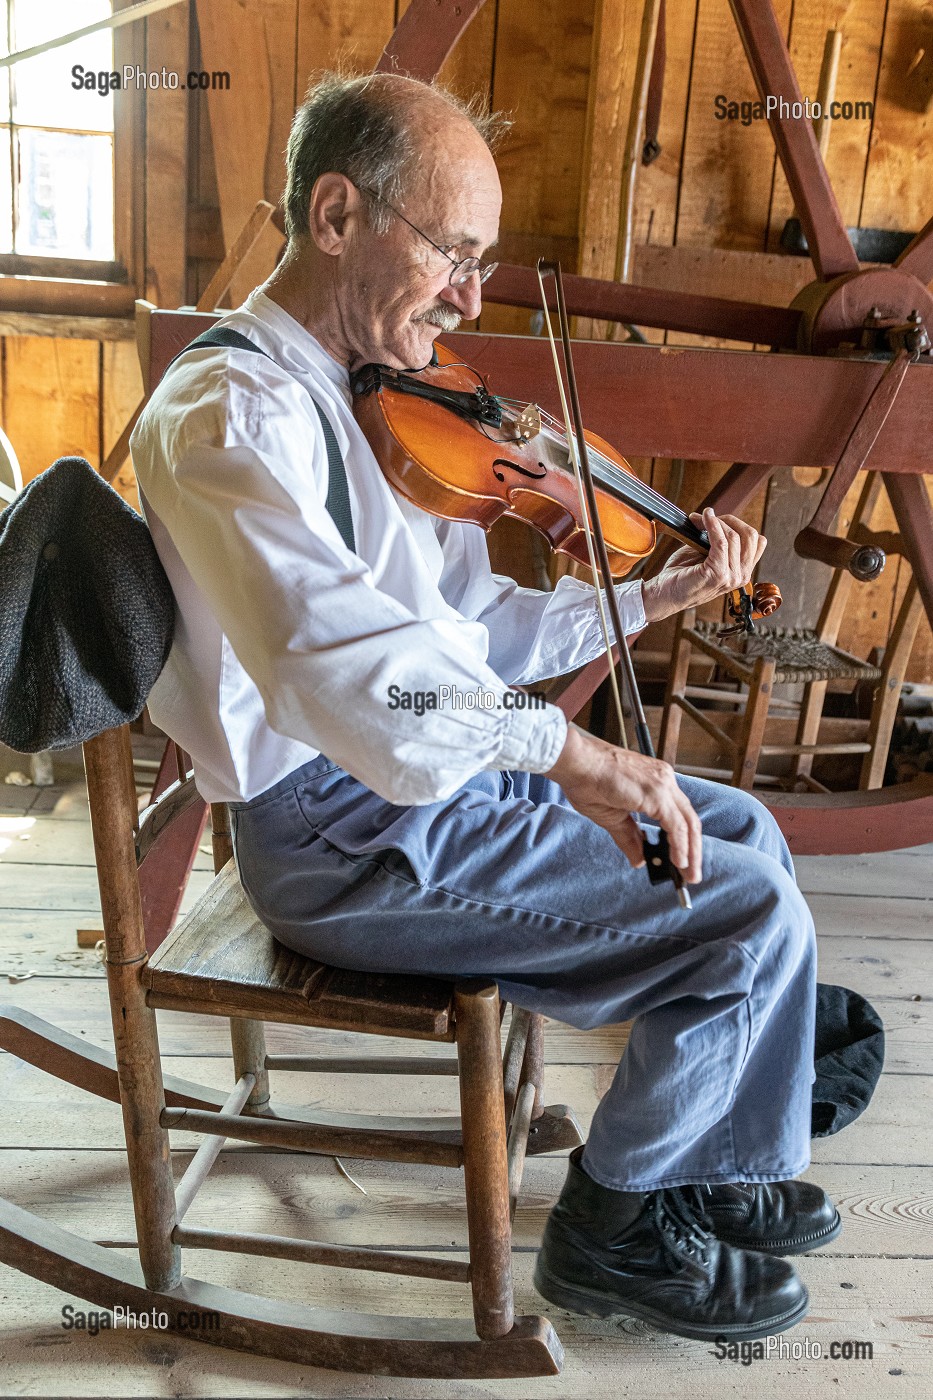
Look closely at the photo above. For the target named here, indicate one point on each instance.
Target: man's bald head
(384, 132)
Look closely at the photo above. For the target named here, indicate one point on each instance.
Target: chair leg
(249, 1057)
(109, 766)
(753, 727)
(884, 709)
(485, 1160)
(676, 686)
(808, 725)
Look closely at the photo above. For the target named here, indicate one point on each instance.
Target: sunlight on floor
(14, 827)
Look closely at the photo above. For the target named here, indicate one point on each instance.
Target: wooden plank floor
(60, 1155)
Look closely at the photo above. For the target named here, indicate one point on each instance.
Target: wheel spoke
(797, 148)
(917, 257)
(425, 35)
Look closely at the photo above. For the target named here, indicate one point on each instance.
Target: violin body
(454, 449)
(462, 469)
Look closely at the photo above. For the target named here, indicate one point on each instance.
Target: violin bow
(658, 862)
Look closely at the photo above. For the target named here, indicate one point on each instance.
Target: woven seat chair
(803, 656)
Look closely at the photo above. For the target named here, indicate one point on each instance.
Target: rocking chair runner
(222, 961)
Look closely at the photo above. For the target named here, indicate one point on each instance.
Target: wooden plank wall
(564, 71)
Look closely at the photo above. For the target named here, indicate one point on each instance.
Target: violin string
(626, 484)
(639, 490)
(587, 527)
(638, 487)
(632, 491)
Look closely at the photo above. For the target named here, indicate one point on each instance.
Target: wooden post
(108, 761)
(753, 727)
(634, 141)
(676, 687)
(247, 1037)
(884, 710)
(485, 1160)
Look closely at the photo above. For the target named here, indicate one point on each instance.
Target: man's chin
(414, 350)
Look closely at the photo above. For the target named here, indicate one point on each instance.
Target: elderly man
(474, 840)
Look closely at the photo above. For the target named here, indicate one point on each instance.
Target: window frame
(52, 280)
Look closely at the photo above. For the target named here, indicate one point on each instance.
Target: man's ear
(335, 204)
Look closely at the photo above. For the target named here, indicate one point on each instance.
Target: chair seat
(221, 959)
(798, 653)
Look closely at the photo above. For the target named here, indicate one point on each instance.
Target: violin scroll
(766, 599)
(745, 608)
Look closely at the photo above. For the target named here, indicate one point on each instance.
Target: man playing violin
(475, 840)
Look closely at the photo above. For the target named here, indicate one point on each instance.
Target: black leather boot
(648, 1255)
(777, 1217)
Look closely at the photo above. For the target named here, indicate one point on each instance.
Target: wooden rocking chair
(222, 961)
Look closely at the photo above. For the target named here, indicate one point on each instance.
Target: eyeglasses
(461, 271)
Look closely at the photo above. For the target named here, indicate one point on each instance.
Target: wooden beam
(108, 328)
(240, 250)
(677, 402)
(44, 296)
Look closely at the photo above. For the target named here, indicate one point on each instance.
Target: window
(57, 144)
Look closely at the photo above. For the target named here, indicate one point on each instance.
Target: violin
(450, 446)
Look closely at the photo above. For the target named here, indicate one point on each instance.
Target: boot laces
(682, 1223)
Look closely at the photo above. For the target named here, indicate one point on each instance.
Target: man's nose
(466, 297)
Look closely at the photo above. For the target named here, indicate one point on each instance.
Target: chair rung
(331, 1140)
(728, 660)
(704, 722)
(814, 748)
(736, 697)
(341, 1256)
(206, 1155)
(400, 1064)
(697, 770)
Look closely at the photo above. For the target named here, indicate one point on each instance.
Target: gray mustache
(444, 317)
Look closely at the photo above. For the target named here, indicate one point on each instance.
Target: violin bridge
(528, 422)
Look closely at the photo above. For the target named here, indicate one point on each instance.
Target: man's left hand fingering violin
(453, 448)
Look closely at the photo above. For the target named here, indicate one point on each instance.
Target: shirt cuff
(532, 741)
(634, 606)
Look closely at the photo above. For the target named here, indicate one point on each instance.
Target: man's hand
(688, 579)
(607, 784)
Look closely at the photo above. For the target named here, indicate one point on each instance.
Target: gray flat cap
(86, 610)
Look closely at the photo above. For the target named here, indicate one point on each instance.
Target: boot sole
(799, 1245)
(591, 1303)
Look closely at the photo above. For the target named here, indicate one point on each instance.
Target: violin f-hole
(517, 467)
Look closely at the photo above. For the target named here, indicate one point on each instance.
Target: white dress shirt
(288, 645)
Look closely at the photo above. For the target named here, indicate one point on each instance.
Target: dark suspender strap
(338, 492)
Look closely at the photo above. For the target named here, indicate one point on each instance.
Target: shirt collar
(301, 351)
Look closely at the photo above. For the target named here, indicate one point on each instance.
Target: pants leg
(506, 880)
